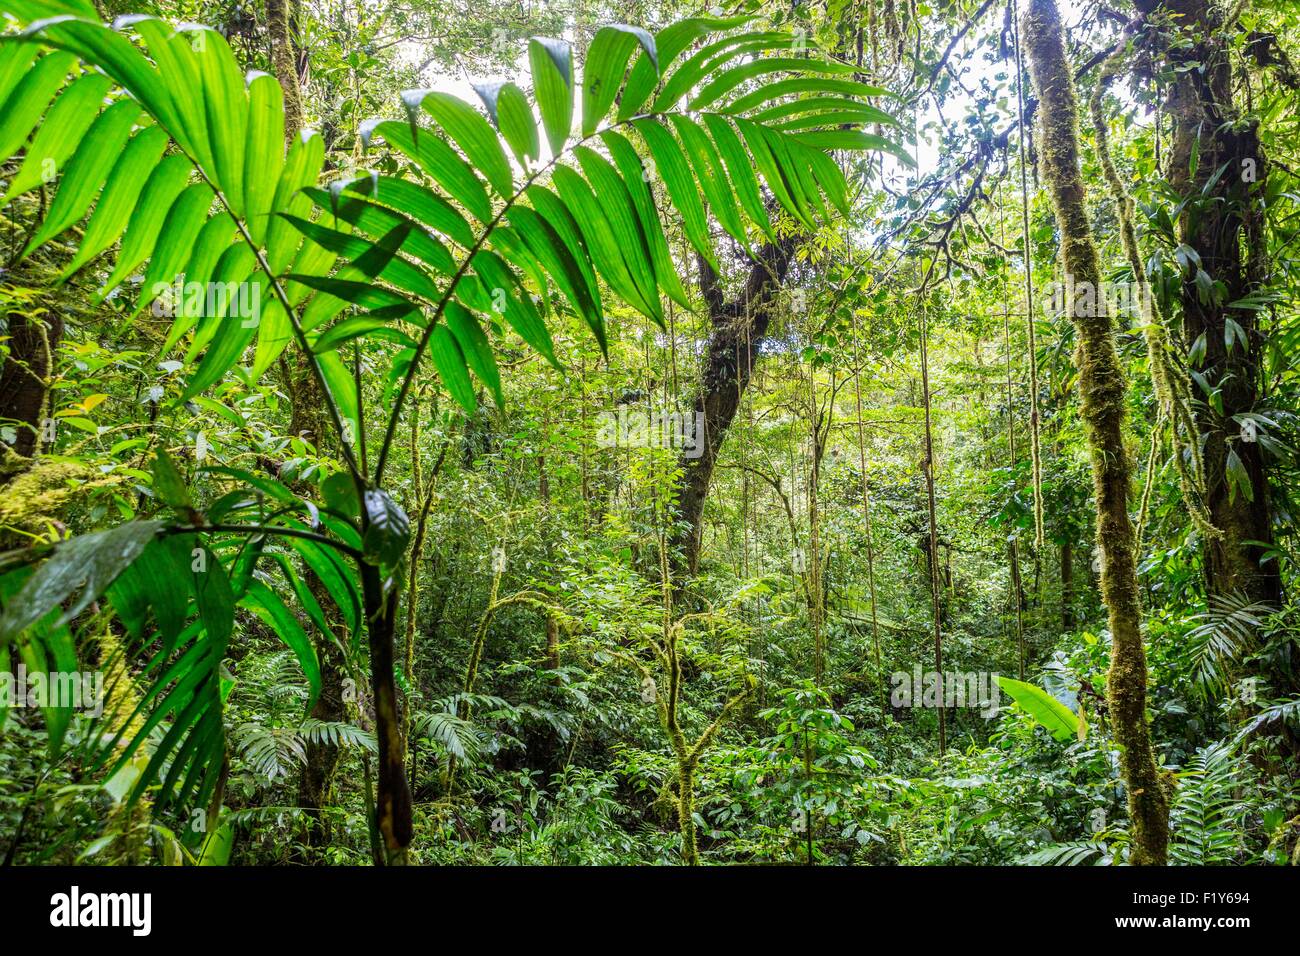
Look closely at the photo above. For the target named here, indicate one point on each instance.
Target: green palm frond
(1282, 712)
(192, 179)
(336, 733)
(456, 737)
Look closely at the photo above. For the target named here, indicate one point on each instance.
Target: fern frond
(1206, 817)
(1226, 633)
(1075, 853)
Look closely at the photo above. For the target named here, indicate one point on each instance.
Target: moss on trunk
(1102, 386)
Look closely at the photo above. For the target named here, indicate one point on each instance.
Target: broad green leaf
(609, 195)
(157, 582)
(605, 67)
(1043, 707)
(165, 184)
(513, 118)
(710, 58)
(774, 165)
(825, 111)
(671, 165)
(422, 205)
(226, 104)
(372, 218)
(117, 57)
(452, 368)
(301, 168)
(388, 530)
(82, 566)
(476, 349)
(805, 84)
(264, 602)
(853, 139)
(516, 306)
(740, 172)
(168, 484)
(175, 243)
(670, 42)
(227, 332)
(342, 387)
(265, 152)
(572, 277)
(206, 252)
(635, 176)
(474, 136)
(732, 78)
(30, 98)
(15, 62)
(217, 846)
(362, 293)
(443, 164)
(374, 325)
(711, 176)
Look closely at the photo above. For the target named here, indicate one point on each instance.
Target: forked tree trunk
(737, 330)
(1102, 386)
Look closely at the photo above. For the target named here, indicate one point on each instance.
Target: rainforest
(622, 433)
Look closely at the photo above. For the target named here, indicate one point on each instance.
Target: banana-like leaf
(1060, 721)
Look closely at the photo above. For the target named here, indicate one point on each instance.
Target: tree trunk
(393, 799)
(307, 421)
(284, 65)
(25, 377)
(321, 759)
(1103, 387)
(737, 329)
(1225, 227)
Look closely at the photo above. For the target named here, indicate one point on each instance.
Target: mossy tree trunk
(737, 329)
(1216, 155)
(284, 65)
(1103, 387)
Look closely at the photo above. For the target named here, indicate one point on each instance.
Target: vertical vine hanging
(1035, 444)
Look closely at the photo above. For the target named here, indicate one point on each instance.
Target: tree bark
(1103, 387)
(25, 378)
(1067, 586)
(393, 803)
